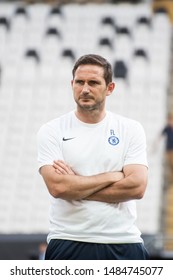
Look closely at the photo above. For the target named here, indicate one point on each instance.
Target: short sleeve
(136, 152)
(48, 146)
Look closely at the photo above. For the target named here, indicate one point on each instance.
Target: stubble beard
(86, 107)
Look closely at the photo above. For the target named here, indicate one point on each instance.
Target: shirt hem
(96, 240)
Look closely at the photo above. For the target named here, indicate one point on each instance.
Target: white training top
(92, 149)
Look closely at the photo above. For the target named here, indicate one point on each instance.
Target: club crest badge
(113, 140)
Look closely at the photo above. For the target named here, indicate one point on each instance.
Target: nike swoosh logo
(67, 139)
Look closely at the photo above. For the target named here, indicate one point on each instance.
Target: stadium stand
(39, 43)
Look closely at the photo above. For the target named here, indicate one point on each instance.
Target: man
(167, 132)
(94, 165)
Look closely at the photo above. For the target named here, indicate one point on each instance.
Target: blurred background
(39, 42)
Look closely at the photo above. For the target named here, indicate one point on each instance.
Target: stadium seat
(120, 70)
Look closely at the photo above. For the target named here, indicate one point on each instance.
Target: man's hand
(62, 168)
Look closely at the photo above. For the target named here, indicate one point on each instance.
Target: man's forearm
(113, 193)
(131, 187)
(75, 187)
(111, 187)
(79, 187)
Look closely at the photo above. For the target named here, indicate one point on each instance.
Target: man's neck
(94, 116)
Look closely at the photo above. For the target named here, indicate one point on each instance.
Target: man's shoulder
(56, 123)
(126, 121)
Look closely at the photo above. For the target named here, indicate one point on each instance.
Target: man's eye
(79, 82)
(93, 83)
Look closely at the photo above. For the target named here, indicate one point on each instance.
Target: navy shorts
(59, 249)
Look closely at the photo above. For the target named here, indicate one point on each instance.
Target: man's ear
(110, 88)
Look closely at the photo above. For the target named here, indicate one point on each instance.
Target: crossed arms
(111, 187)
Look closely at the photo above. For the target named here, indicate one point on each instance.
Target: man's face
(89, 87)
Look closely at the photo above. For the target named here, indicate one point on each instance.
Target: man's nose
(86, 88)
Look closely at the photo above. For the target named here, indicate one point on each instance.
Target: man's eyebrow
(95, 81)
(89, 81)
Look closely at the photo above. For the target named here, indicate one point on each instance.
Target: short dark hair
(95, 59)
